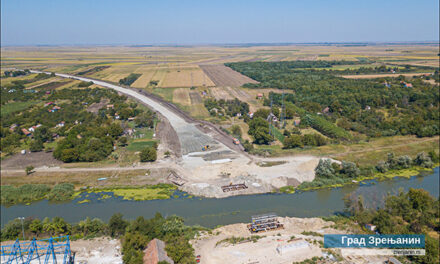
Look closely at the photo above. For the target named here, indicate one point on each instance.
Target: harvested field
(143, 81)
(196, 98)
(239, 94)
(181, 96)
(115, 77)
(372, 76)
(225, 76)
(220, 93)
(186, 78)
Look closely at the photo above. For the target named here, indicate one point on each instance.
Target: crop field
(371, 76)
(225, 76)
(181, 96)
(220, 93)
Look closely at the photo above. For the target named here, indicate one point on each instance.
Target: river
(211, 212)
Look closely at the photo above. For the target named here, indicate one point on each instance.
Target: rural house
(155, 253)
(26, 132)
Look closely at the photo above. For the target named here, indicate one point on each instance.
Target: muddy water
(212, 212)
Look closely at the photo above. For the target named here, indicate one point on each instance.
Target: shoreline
(168, 191)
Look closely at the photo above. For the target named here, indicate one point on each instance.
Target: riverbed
(211, 212)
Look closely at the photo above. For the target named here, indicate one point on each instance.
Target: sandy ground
(265, 249)
(101, 250)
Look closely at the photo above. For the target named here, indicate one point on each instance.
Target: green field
(15, 106)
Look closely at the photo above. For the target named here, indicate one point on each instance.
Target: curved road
(191, 139)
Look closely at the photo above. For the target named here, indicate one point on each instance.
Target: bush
(350, 169)
(148, 154)
(382, 167)
(324, 169)
(423, 160)
(293, 141)
(248, 146)
(61, 192)
(36, 145)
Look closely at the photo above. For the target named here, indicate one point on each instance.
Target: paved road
(191, 139)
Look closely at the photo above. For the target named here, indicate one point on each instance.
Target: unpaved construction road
(205, 172)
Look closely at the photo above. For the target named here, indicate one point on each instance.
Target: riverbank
(30, 193)
(378, 176)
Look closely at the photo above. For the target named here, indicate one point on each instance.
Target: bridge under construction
(263, 223)
(51, 250)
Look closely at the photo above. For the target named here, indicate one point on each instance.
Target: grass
(15, 107)
(139, 145)
(365, 153)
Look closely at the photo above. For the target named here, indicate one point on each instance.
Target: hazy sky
(29, 22)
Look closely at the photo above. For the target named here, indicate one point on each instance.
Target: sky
(184, 22)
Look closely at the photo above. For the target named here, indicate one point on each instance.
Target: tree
(350, 169)
(117, 225)
(148, 154)
(293, 141)
(36, 227)
(324, 169)
(236, 130)
(423, 160)
(248, 146)
(123, 141)
(29, 170)
(382, 166)
(145, 119)
(36, 145)
(262, 135)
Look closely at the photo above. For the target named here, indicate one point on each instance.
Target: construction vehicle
(236, 141)
(204, 148)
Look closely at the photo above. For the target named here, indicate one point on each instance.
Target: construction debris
(234, 187)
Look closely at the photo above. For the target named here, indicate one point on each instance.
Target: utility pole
(22, 225)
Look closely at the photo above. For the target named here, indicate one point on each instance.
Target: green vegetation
(372, 108)
(227, 107)
(237, 240)
(413, 212)
(148, 154)
(15, 107)
(330, 174)
(148, 192)
(134, 235)
(130, 79)
(65, 124)
(27, 193)
(311, 233)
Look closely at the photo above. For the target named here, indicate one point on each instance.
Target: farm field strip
(369, 76)
(220, 93)
(225, 76)
(181, 96)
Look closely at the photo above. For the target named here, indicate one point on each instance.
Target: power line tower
(283, 111)
(271, 116)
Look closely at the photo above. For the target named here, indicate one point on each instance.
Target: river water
(211, 212)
